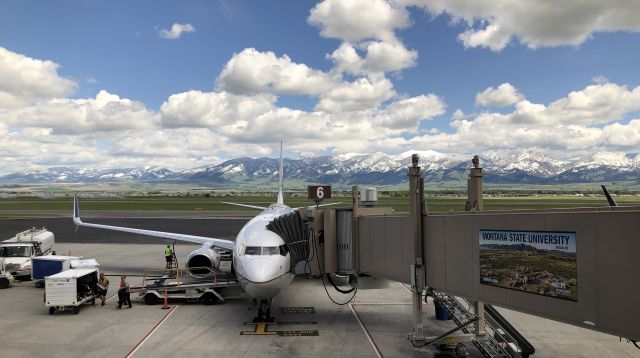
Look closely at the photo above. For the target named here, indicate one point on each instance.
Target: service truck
(16, 253)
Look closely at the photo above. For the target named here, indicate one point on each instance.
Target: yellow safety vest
(167, 252)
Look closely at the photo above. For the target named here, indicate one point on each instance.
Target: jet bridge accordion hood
(292, 230)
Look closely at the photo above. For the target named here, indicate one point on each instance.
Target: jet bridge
(577, 266)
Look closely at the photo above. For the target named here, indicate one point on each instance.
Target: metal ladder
(487, 345)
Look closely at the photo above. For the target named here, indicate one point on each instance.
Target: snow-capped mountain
(75, 175)
(529, 167)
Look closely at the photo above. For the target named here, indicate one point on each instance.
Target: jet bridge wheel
(209, 298)
(52, 310)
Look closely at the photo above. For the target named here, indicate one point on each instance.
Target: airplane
(261, 259)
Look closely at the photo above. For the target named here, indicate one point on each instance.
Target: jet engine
(202, 261)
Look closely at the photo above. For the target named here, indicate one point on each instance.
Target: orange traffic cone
(165, 306)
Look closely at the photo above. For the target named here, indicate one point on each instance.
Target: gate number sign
(319, 192)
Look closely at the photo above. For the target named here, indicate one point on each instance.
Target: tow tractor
(204, 288)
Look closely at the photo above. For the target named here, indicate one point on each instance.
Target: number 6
(320, 192)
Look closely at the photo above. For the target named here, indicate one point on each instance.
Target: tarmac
(374, 324)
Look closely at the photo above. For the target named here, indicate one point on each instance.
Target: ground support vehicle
(71, 288)
(207, 289)
(6, 278)
(16, 253)
(43, 266)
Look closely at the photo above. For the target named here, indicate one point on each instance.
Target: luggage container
(43, 266)
(71, 288)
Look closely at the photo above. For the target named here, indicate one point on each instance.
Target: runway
(223, 225)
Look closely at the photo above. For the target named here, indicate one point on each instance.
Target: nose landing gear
(264, 311)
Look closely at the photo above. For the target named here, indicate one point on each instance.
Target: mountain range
(528, 167)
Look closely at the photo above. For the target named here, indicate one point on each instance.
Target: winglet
(76, 210)
(281, 178)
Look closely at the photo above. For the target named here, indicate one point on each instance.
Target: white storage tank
(368, 197)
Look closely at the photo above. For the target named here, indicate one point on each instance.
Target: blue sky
(464, 77)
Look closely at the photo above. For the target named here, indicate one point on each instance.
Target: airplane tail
(281, 179)
(609, 198)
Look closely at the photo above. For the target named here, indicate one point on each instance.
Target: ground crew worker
(103, 285)
(168, 255)
(124, 292)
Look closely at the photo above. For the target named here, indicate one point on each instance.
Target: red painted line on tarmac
(366, 331)
(152, 331)
(112, 296)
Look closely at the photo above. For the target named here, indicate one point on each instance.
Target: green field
(435, 204)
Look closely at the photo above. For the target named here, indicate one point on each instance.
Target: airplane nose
(264, 270)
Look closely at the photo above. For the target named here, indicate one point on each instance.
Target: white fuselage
(260, 258)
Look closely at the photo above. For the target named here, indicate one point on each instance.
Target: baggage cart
(176, 285)
(71, 288)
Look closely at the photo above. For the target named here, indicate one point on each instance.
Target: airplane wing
(221, 243)
(313, 206)
(246, 205)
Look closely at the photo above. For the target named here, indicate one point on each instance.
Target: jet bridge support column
(416, 208)
(474, 203)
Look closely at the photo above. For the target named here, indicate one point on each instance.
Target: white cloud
(106, 112)
(583, 122)
(492, 36)
(357, 20)
(25, 80)
(252, 71)
(361, 94)
(176, 31)
(535, 23)
(406, 114)
(624, 136)
(380, 57)
(504, 95)
(262, 123)
(596, 104)
(200, 109)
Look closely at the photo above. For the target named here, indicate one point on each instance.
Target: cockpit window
(253, 250)
(266, 250)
